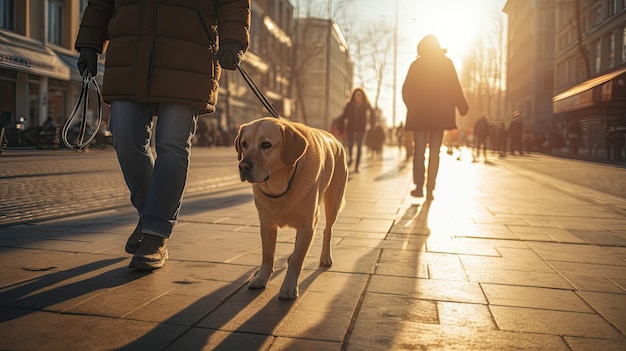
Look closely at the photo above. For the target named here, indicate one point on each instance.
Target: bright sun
(457, 23)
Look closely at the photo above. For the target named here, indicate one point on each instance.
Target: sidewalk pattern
(502, 259)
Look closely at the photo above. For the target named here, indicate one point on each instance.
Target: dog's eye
(266, 145)
(244, 144)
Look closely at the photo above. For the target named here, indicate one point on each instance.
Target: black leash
(80, 138)
(257, 92)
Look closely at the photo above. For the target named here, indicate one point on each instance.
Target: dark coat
(431, 92)
(356, 117)
(158, 51)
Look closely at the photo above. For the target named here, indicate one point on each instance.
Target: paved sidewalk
(503, 259)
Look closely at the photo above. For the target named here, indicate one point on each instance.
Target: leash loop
(76, 135)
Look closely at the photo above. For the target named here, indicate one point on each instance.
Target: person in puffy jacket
(163, 59)
(431, 93)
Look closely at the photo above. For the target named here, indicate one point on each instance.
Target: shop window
(7, 14)
(7, 103)
(55, 21)
(56, 99)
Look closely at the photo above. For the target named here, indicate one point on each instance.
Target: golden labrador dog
(292, 168)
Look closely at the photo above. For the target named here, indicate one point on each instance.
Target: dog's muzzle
(245, 168)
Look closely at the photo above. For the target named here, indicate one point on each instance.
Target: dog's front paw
(288, 292)
(326, 260)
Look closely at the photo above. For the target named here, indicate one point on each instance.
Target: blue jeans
(434, 139)
(156, 184)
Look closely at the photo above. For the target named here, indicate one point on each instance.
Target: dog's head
(265, 145)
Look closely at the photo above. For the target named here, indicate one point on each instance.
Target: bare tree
(483, 71)
(372, 49)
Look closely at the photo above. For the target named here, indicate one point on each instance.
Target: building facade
(530, 61)
(590, 81)
(323, 72)
(575, 53)
(38, 74)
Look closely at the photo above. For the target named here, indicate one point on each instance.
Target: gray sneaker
(132, 244)
(151, 254)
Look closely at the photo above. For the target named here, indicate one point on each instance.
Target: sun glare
(457, 23)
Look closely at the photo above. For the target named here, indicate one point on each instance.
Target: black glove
(230, 54)
(88, 59)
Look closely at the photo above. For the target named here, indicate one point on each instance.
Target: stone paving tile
(379, 334)
(591, 277)
(57, 331)
(512, 259)
(516, 277)
(576, 253)
(281, 343)
(610, 306)
(590, 344)
(465, 315)
(201, 339)
(535, 233)
(441, 290)
(552, 322)
(605, 238)
(531, 297)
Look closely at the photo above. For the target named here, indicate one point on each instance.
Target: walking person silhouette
(431, 93)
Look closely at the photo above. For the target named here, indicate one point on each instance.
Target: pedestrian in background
(516, 134)
(481, 133)
(160, 61)
(431, 93)
(356, 116)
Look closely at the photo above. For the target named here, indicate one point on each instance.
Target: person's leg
(419, 167)
(359, 145)
(350, 146)
(435, 137)
(131, 125)
(176, 125)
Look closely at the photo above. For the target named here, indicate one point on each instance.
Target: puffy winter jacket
(160, 50)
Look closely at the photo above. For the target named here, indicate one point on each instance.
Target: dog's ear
(238, 144)
(294, 146)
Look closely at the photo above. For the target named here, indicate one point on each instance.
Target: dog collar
(288, 185)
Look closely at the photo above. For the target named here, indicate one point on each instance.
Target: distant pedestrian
(431, 93)
(481, 133)
(356, 116)
(503, 137)
(516, 134)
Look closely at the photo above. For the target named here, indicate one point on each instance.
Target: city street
(519, 253)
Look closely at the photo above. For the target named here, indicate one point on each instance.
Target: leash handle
(79, 115)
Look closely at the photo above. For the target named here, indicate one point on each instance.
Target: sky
(457, 23)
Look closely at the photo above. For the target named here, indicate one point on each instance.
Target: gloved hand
(88, 59)
(230, 54)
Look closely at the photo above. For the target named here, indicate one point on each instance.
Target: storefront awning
(22, 54)
(582, 95)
